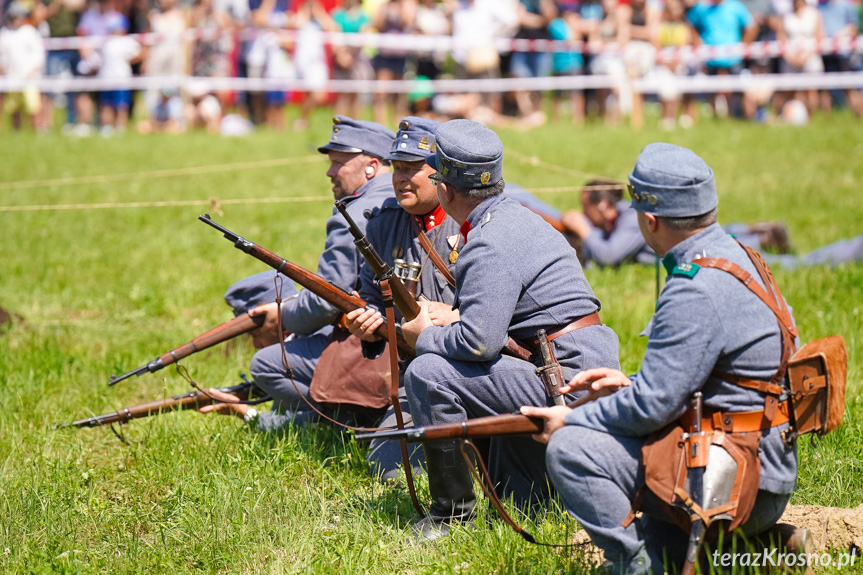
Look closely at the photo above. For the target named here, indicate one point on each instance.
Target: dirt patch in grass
(831, 527)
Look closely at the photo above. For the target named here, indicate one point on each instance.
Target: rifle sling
(438, 262)
(394, 390)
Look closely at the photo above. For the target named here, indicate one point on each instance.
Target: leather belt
(585, 321)
(741, 421)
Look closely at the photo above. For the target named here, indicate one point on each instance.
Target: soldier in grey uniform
(514, 276)
(394, 230)
(360, 176)
(609, 233)
(706, 322)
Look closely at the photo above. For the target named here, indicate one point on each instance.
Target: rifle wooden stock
(334, 295)
(492, 426)
(223, 332)
(189, 400)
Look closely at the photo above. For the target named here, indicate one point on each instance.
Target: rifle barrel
(336, 296)
(230, 329)
(188, 400)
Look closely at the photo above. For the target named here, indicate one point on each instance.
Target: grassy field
(107, 267)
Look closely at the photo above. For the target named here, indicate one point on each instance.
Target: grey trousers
(447, 391)
(597, 475)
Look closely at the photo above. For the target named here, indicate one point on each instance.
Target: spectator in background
(474, 28)
(639, 28)
(62, 17)
(609, 63)
(113, 61)
(349, 62)
(211, 53)
(167, 57)
(433, 18)
(166, 116)
(567, 27)
(94, 22)
(310, 56)
(534, 16)
(803, 30)
(22, 57)
(720, 22)
(675, 33)
(841, 20)
(268, 57)
(392, 17)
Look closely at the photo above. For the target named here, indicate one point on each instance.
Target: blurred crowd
(223, 48)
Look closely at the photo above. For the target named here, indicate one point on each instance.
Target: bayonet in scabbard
(550, 371)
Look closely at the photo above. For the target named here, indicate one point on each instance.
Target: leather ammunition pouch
(817, 376)
(344, 379)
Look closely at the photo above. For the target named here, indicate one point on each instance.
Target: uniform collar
(465, 229)
(693, 247)
(432, 219)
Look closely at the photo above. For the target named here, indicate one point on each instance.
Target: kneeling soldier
(709, 334)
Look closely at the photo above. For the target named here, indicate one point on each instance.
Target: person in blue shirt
(720, 22)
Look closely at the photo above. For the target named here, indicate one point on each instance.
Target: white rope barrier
(648, 84)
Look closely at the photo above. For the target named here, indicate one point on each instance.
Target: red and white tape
(416, 43)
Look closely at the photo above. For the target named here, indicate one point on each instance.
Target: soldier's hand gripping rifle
(189, 400)
(334, 295)
(230, 329)
(402, 298)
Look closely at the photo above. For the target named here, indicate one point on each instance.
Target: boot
(792, 539)
(451, 490)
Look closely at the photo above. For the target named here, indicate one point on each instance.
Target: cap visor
(403, 157)
(432, 161)
(338, 148)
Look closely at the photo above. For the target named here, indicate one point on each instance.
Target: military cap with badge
(358, 136)
(467, 154)
(414, 141)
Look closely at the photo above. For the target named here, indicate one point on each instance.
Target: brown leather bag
(817, 375)
(666, 468)
(345, 379)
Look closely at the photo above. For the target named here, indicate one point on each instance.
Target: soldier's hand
(441, 313)
(412, 329)
(597, 382)
(554, 418)
(268, 333)
(576, 223)
(230, 408)
(363, 323)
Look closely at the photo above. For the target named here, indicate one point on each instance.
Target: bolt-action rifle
(189, 400)
(402, 298)
(336, 296)
(230, 329)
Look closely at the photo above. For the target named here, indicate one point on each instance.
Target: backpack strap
(772, 298)
(435, 257)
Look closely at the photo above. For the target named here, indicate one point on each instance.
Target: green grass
(102, 291)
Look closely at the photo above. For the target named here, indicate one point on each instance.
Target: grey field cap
(414, 140)
(359, 136)
(672, 181)
(467, 154)
(250, 292)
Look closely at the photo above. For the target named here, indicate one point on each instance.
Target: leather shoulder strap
(438, 262)
(773, 300)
